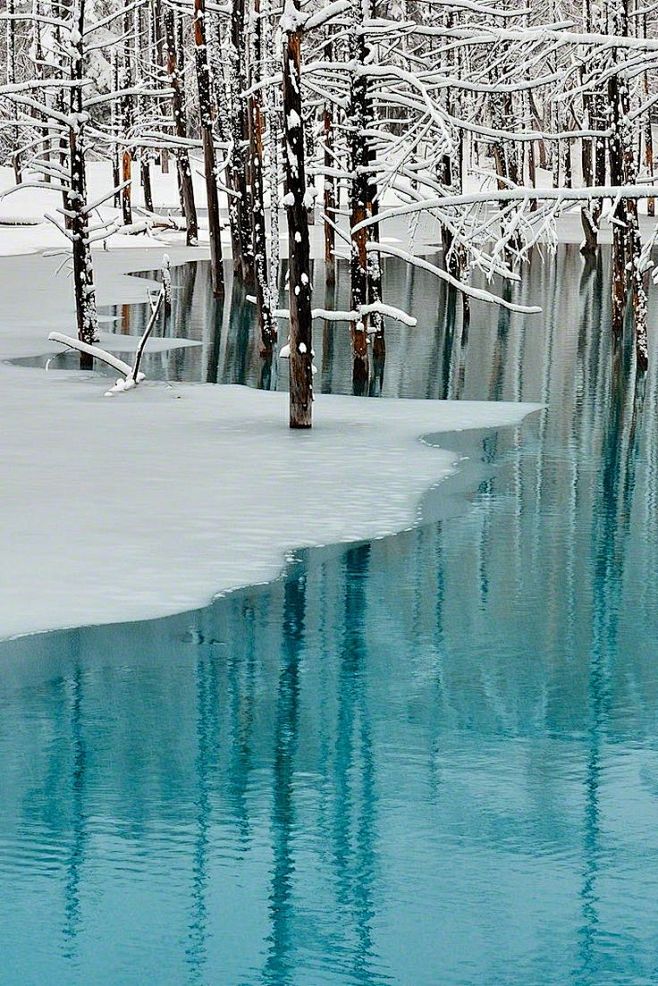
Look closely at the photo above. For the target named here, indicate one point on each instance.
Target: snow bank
(151, 504)
(423, 235)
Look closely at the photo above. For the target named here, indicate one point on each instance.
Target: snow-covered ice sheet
(149, 504)
(37, 299)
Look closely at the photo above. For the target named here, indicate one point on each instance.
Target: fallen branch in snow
(158, 221)
(151, 221)
(131, 374)
(95, 351)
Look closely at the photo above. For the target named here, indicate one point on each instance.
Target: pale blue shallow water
(431, 759)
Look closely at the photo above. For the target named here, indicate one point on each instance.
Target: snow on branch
(477, 294)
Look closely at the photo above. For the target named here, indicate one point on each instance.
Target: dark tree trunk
(648, 132)
(530, 150)
(127, 121)
(301, 343)
(359, 197)
(587, 145)
(616, 157)
(263, 305)
(243, 257)
(116, 163)
(600, 123)
(224, 99)
(329, 199)
(145, 166)
(627, 245)
(11, 78)
(587, 149)
(39, 74)
(374, 259)
(83, 272)
(184, 171)
(590, 230)
(309, 143)
(210, 166)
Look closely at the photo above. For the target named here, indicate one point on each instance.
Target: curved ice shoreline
(119, 510)
(154, 503)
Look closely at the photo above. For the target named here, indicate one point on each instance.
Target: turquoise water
(431, 759)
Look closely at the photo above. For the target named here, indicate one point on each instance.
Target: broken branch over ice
(131, 374)
(95, 351)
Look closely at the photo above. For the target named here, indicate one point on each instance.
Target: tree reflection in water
(426, 759)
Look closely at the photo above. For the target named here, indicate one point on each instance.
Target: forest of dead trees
(493, 118)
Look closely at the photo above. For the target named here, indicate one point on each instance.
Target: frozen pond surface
(430, 759)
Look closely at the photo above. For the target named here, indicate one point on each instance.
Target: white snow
(30, 204)
(292, 19)
(294, 120)
(123, 510)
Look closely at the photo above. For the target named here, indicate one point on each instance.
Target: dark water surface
(427, 760)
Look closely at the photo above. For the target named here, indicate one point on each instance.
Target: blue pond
(428, 760)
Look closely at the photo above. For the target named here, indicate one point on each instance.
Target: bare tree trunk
(359, 196)
(329, 199)
(627, 246)
(590, 244)
(616, 157)
(374, 258)
(180, 122)
(588, 212)
(263, 304)
(11, 79)
(301, 343)
(146, 183)
(586, 143)
(210, 165)
(127, 115)
(310, 154)
(243, 259)
(271, 97)
(532, 167)
(83, 272)
(114, 123)
(598, 21)
(43, 95)
(648, 131)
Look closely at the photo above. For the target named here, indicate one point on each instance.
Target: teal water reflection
(431, 759)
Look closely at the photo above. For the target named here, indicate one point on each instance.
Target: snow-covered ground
(29, 203)
(150, 503)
